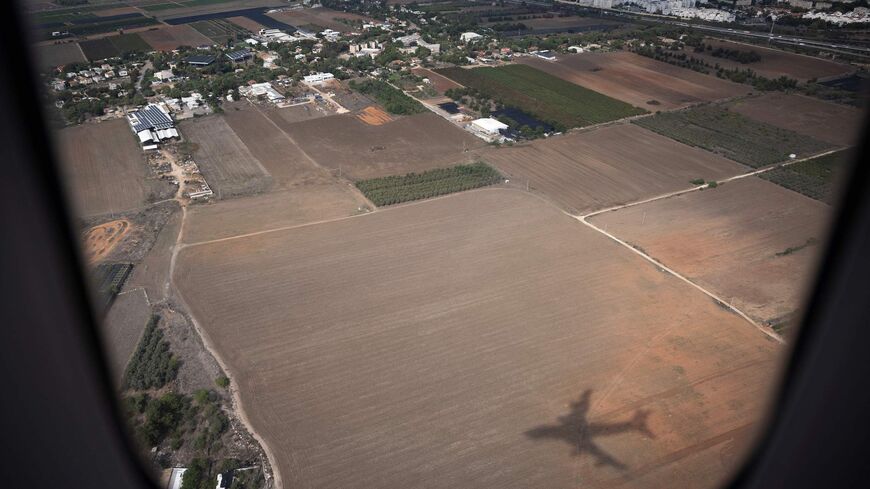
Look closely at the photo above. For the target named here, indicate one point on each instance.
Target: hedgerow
(415, 186)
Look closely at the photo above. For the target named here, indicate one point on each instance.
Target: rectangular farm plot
(105, 169)
(638, 80)
(547, 97)
(429, 343)
(734, 240)
(273, 148)
(407, 144)
(774, 63)
(732, 135)
(833, 123)
(608, 166)
(54, 55)
(817, 178)
(172, 37)
(299, 206)
(225, 161)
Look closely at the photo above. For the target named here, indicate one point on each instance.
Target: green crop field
(815, 178)
(546, 97)
(732, 135)
(416, 186)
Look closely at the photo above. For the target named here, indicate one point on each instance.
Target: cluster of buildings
(152, 124)
(96, 74)
(680, 8)
(859, 15)
(711, 14)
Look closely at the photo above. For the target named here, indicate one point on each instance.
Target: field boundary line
(583, 219)
(311, 160)
(676, 274)
(741, 176)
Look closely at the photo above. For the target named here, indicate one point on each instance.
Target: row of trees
(416, 186)
(152, 365)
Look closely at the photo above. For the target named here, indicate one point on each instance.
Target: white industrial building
(152, 124)
(317, 78)
(487, 128)
(261, 89)
(469, 37)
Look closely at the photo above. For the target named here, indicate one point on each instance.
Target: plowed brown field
(732, 240)
(608, 166)
(774, 63)
(467, 341)
(638, 80)
(174, 36)
(272, 147)
(374, 116)
(833, 123)
(104, 167)
(407, 144)
(225, 161)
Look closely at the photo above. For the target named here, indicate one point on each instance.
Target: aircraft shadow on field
(575, 429)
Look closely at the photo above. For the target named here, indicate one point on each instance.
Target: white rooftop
(490, 125)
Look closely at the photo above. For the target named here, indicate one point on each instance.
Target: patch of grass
(223, 381)
(415, 186)
(731, 135)
(130, 42)
(697, 181)
(153, 365)
(712, 184)
(393, 100)
(814, 178)
(548, 98)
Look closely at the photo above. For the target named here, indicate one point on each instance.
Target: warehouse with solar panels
(152, 124)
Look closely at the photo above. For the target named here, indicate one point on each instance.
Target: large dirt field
(833, 123)
(224, 159)
(440, 83)
(608, 166)
(105, 169)
(775, 63)
(172, 37)
(273, 148)
(54, 55)
(638, 80)
(322, 17)
(407, 144)
(303, 205)
(732, 240)
(444, 342)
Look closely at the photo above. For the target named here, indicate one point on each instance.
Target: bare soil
(833, 123)
(54, 55)
(733, 240)
(638, 80)
(428, 343)
(246, 23)
(322, 17)
(273, 148)
(225, 161)
(172, 37)
(99, 240)
(775, 63)
(439, 82)
(374, 116)
(303, 205)
(607, 166)
(105, 169)
(408, 144)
